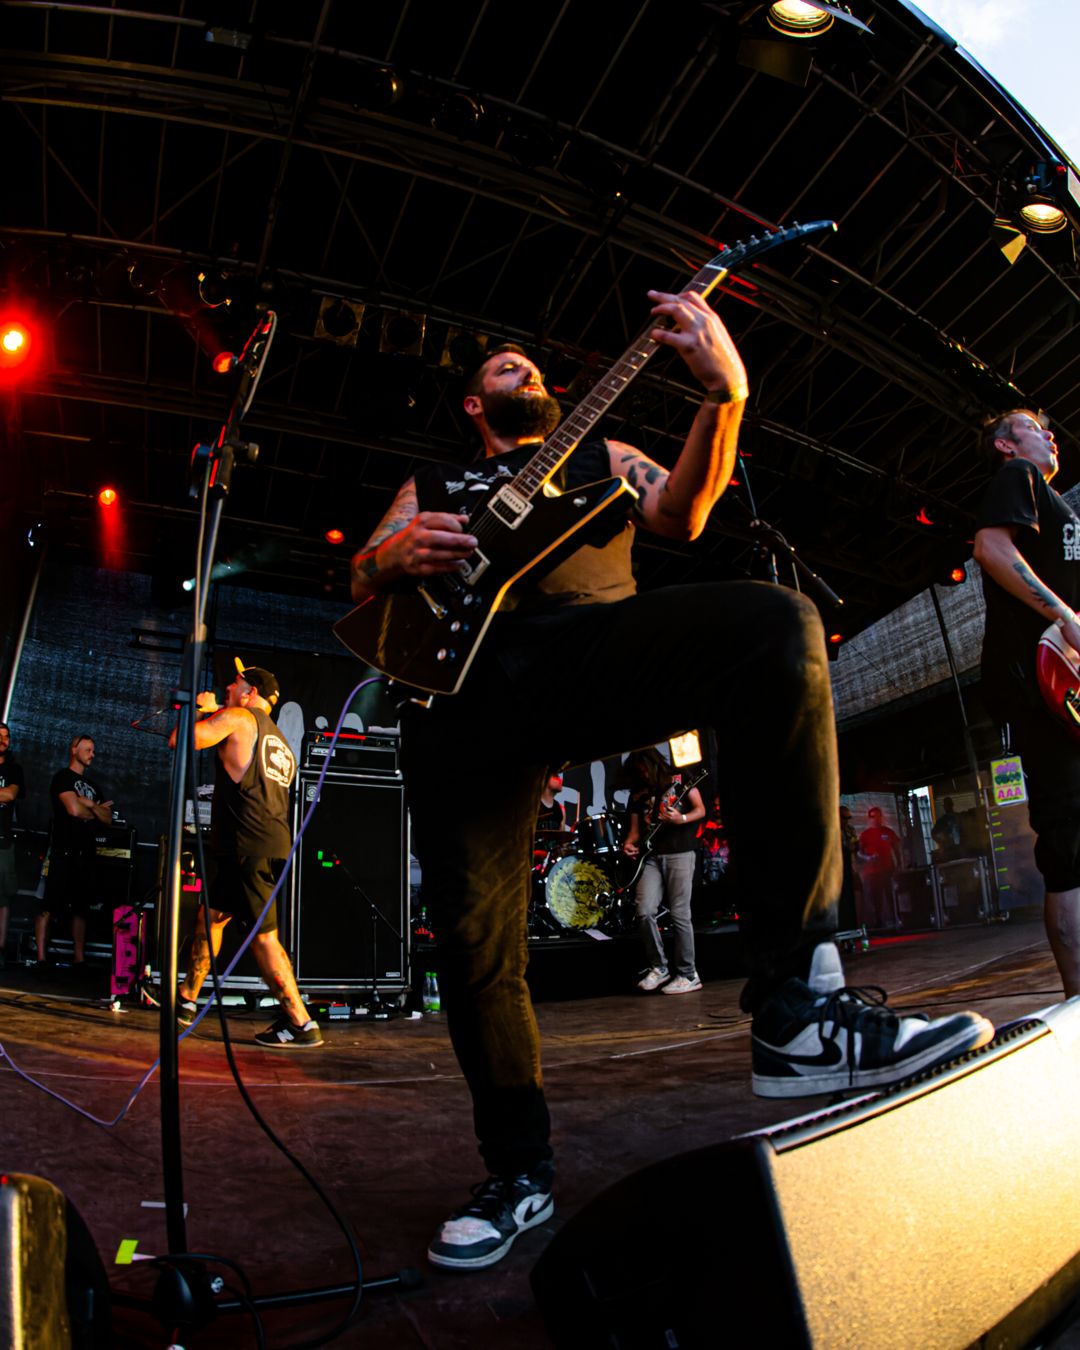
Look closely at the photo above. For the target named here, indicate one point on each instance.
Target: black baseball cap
(264, 682)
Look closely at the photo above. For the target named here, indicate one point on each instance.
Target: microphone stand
(212, 468)
(378, 1009)
(769, 541)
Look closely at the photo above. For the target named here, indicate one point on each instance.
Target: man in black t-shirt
(634, 669)
(249, 841)
(1026, 542)
(668, 873)
(12, 784)
(77, 810)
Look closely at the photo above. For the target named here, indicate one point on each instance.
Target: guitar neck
(603, 394)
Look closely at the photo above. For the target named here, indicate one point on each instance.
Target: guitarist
(1028, 546)
(668, 873)
(767, 694)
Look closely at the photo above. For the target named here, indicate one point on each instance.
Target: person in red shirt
(879, 849)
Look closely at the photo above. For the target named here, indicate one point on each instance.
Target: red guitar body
(1058, 670)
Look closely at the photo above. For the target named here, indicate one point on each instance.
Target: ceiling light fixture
(1043, 217)
(794, 18)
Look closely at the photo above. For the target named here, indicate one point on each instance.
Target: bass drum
(579, 891)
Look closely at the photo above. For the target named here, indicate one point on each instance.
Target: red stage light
(15, 343)
(958, 575)
(923, 518)
(223, 362)
(107, 497)
(836, 639)
(335, 537)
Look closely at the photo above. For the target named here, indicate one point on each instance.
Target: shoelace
(844, 1006)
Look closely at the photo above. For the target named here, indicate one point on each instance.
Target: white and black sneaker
(824, 1036)
(284, 1034)
(482, 1232)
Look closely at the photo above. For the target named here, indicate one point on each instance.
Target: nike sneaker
(821, 1035)
(482, 1232)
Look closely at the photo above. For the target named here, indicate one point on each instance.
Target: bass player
(1027, 543)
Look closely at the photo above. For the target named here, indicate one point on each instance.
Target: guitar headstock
(737, 255)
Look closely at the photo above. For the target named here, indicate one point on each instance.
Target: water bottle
(432, 1003)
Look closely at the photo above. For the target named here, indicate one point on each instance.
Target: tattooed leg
(275, 968)
(199, 960)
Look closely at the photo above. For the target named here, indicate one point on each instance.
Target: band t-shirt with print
(1048, 538)
(74, 834)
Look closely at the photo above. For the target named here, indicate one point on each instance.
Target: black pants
(745, 658)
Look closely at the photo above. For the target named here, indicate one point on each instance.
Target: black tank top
(251, 818)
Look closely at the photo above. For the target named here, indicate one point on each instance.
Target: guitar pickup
(509, 507)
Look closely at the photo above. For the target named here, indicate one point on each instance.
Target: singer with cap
(249, 841)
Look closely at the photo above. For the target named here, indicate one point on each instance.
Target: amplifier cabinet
(348, 916)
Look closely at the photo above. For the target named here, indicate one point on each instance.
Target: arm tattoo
(1034, 585)
(642, 473)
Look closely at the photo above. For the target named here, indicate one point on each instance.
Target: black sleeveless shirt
(597, 572)
(251, 818)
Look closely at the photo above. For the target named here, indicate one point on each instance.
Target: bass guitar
(628, 869)
(426, 634)
(1057, 668)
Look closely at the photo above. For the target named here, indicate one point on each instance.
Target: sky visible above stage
(1030, 47)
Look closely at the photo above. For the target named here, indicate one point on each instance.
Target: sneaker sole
(288, 1045)
(694, 989)
(838, 1079)
(490, 1258)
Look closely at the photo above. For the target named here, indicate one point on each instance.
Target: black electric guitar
(629, 869)
(425, 634)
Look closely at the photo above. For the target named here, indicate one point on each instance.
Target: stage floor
(381, 1117)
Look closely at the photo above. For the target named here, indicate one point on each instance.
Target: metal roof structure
(403, 182)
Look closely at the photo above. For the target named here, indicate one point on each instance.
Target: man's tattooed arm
(1035, 586)
(365, 570)
(647, 479)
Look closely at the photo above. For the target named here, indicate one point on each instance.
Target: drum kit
(579, 880)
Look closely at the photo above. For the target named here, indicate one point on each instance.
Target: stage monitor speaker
(55, 1293)
(944, 1213)
(354, 855)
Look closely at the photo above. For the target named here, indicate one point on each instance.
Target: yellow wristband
(737, 395)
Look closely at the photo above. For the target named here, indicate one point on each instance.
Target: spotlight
(402, 332)
(223, 362)
(953, 576)
(1043, 217)
(833, 642)
(213, 289)
(459, 115)
(463, 350)
(793, 18)
(15, 343)
(188, 584)
(339, 320)
(335, 536)
(107, 497)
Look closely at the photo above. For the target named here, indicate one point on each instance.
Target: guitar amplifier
(362, 751)
(347, 921)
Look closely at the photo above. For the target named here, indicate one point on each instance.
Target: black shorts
(241, 886)
(69, 887)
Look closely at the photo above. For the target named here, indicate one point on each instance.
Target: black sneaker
(284, 1034)
(824, 1036)
(482, 1232)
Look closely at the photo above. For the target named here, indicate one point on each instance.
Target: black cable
(344, 1323)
